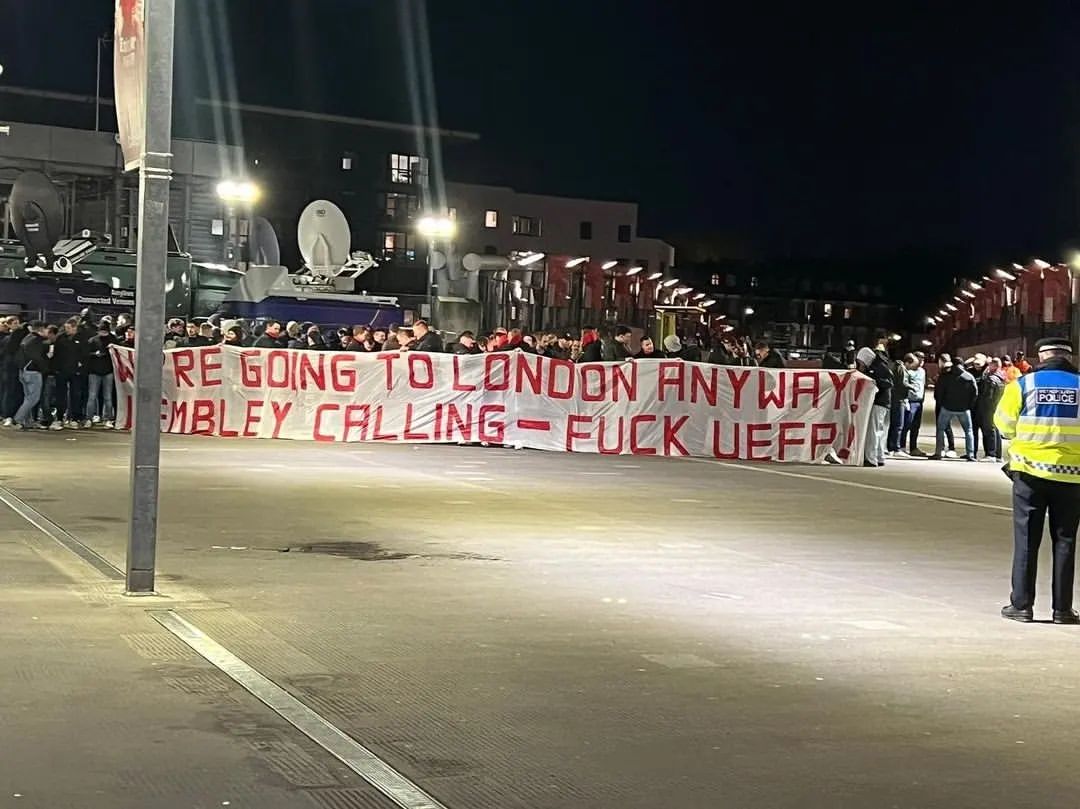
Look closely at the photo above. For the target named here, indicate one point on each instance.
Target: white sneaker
(109, 425)
(96, 419)
(9, 422)
(901, 453)
(950, 453)
(87, 424)
(56, 425)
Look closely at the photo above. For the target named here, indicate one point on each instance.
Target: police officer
(1040, 414)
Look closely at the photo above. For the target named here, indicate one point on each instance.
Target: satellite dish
(438, 260)
(324, 237)
(264, 243)
(38, 217)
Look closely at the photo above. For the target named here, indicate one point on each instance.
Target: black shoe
(1066, 617)
(918, 453)
(934, 457)
(1017, 614)
(881, 463)
(970, 458)
(871, 465)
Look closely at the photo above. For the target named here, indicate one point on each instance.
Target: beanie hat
(865, 356)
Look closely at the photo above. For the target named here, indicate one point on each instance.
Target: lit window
(398, 246)
(827, 309)
(715, 279)
(527, 225)
(753, 281)
(491, 219)
(847, 313)
(346, 164)
(624, 233)
(406, 168)
(400, 207)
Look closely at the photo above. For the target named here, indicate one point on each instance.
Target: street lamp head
(749, 311)
(238, 191)
(437, 227)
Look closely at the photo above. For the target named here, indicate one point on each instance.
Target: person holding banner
(874, 366)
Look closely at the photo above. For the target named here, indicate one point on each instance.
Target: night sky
(769, 129)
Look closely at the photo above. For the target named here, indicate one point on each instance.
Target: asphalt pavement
(524, 629)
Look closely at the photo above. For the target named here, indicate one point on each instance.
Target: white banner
(645, 407)
(129, 78)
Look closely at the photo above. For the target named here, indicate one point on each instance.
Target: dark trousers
(12, 389)
(69, 396)
(950, 439)
(909, 434)
(991, 441)
(1032, 498)
(896, 425)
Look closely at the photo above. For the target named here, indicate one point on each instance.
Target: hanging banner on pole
(647, 407)
(129, 71)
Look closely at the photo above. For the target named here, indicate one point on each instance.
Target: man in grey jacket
(916, 394)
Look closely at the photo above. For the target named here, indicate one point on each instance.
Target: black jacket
(956, 390)
(881, 373)
(620, 351)
(98, 361)
(772, 360)
(266, 341)
(430, 342)
(34, 354)
(900, 387)
(656, 355)
(198, 341)
(14, 344)
(593, 352)
(68, 354)
(990, 387)
(460, 349)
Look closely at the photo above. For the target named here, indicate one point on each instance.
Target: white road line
(328, 736)
(685, 500)
(855, 485)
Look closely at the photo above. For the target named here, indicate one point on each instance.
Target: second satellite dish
(324, 237)
(264, 243)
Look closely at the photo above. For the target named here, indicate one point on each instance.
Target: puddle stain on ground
(373, 552)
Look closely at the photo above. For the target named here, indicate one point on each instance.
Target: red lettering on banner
(457, 376)
(702, 387)
(352, 422)
(317, 432)
(183, 361)
(553, 391)
(311, 369)
(839, 382)
(128, 410)
(389, 358)
(812, 388)
(224, 431)
(277, 368)
(860, 386)
(717, 429)
(377, 434)
(738, 380)
(125, 365)
(409, 434)
(179, 411)
(635, 444)
(601, 374)
(343, 378)
(490, 361)
(279, 411)
(628, 383)
(250, 375)
(499, 427)
(671, 434)
(531, 368)
(251, 418)
(606, 450)
(775, 396)
(438, 421)
(821, 435)
(416, 361)
(209, 365)
(676, 380)
(752, 443)
(202, 413)
(455, 422)
(784, 440)
(572, 434)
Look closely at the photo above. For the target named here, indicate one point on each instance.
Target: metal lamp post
(432, 228)
(236, 193)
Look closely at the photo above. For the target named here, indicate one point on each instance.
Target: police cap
(1054, 344)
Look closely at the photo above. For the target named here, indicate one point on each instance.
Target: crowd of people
(965, 391)
(55, 377)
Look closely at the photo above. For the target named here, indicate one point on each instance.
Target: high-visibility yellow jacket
(1040, 414)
